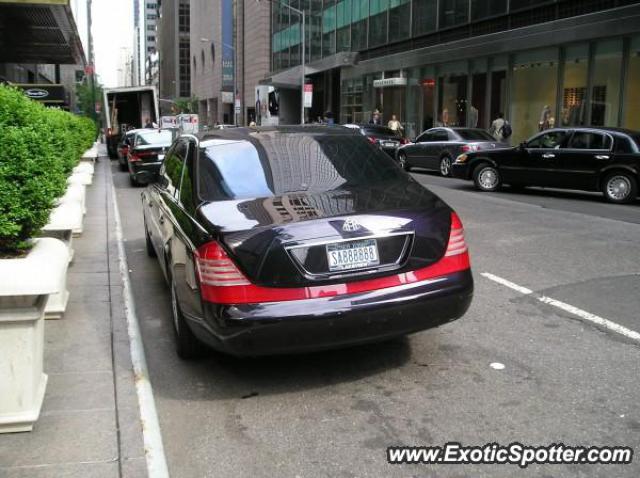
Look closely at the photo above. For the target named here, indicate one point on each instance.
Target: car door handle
(601, 156)
(548, 155)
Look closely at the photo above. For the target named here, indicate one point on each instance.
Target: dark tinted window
(549, 140)
(440, 135)
(171, 169)
(474, 135)
(186, 180)
(587, 140)
(380, 130)
(636, 139)
(270, 164)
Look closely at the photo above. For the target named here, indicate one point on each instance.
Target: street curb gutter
(152, 437)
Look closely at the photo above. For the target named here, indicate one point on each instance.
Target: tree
(185, 105)
(85, 97)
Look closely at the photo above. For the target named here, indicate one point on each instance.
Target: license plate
(343, 256)
(160, 157)
(389, 144)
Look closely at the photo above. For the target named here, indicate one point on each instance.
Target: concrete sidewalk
(90, 423)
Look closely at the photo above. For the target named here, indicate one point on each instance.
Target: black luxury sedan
(437, 148)
(588, 159)
(146, 152)
(382, 136)
(290, 239)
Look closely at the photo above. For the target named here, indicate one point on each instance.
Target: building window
(574, 88)
(487, 8)
(522, 4)
(184, 18)
(399, 19)
(151, 38)
(607, 77)
(184, 54)
(424, 16)
(151, 28)
(152, 6)
(151, 16)
(453, 12)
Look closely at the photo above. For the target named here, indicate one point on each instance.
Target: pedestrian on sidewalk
(395, 125)
(500, 128)
(375, 118)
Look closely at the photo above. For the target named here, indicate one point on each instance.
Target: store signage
(50, 93)
(308, 95)
(36, 93)
(228, 45)
(227, 97)
(389, 82)
(429, 82)
(238, 105)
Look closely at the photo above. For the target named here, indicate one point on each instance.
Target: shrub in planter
(39, 149)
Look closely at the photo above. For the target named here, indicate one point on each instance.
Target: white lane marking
(497, 366)
(152, 437)
(583, 314)
(507, 283)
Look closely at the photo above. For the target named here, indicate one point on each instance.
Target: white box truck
(128, 108)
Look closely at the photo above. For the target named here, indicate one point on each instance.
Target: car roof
(605, 129)
(240, 132)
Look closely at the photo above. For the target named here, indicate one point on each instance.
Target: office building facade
(461, 62)
(173, 61)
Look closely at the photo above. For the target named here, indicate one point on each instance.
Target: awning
(291, 78)
(39, 31)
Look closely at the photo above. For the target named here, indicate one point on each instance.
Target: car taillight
(469, 148)
(372, 140)
(457, 244)
(137, 156)
(216, 269)
(404, 141)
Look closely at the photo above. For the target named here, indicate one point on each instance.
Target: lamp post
(302, 52)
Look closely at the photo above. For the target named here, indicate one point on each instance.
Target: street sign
(238, 105)
(308, 95)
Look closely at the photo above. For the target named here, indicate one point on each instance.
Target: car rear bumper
(138, 166)
(324, 323)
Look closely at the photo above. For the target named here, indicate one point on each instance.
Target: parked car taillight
(469, 148)
(372, 140)
(137, 156)
(216, 268)
(457, 244)
(404, 141)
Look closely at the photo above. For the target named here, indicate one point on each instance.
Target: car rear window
(153, 137)
(272, 164)
(474, 135)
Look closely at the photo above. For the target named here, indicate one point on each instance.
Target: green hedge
(38, 149)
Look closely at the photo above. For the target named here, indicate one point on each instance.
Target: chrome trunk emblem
(351, 225)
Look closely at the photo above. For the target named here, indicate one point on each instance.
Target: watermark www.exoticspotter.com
(513, 454)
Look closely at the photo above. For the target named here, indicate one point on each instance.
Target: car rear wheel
(620, 188)
(445, 166)
(402, 161)
(486, 178)
(134, 182)
(187, 344)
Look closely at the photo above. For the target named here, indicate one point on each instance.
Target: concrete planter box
(22, 305)
(91, 154)
(80, 178)
(84, 167)
(75, 193)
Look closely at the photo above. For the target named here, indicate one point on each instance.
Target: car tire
(402, 161)
(134, 182)
(620, 188)
(486, 178)
(187, 344)
(445, 166)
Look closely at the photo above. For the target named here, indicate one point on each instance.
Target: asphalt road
(334, 414)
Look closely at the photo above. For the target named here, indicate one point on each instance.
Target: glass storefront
(632, 93)
(607, 76)
(570, 85)
(534, 82)
(574, 87)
